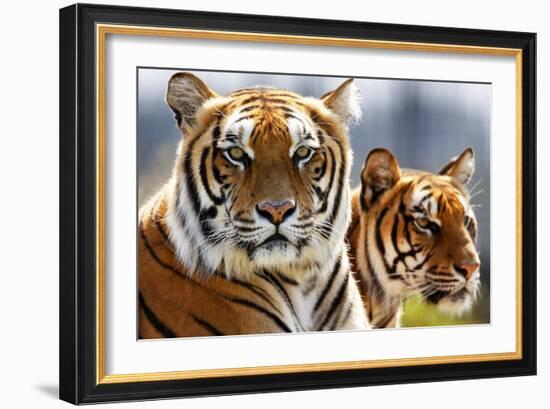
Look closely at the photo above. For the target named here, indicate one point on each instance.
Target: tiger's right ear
(380, 173)
(185, 95)
(345, 102)
(461, 167)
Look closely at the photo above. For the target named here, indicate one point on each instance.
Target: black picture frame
(78, 360)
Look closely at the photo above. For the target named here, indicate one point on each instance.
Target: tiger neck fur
(383, 309)
(314, 302)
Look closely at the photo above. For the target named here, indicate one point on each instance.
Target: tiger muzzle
(276, 211)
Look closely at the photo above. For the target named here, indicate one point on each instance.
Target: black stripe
(286, 109)
(379, 240)
(321, 137)
(380, 244)
(443, 280)
(303, 226)
(260, 292)
(354, 224)
(168, 266)
(311, 284)
(375, 288)
(183, 223)
(215, 171)
(162, 232)
(376, 193)
(394, 232)
(441, 204)
(286, 279)
(326, 193)
(190, 181)
(216, 132)
(283, 94)
(248, 108)
(204, 178)
(274, 101)
(328, 285)
(408, 220)
(238, 217)
(322, 170)
(348, 313)
(290, 115)
(421, 264)
(205, 324)
(362, 197)
(340, 188)
(386, 321)
(245, 91)
(205, 216)
(254, 97)
(154, 320)
(401, 256)
(338, 317)
(243, 118)
(426, 197)
(264, 311)
(419, 209)
(280, 288)
(335, 302)
(247, 229)
(154, 255)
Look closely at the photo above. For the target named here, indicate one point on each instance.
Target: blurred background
(424, 124)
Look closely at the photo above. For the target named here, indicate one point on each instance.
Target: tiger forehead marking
(262, 176)
(264, 115)
(435, 197)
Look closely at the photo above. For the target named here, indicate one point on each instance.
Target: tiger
(414, 233)
(248, 234)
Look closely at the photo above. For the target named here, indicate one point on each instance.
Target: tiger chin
(414, 233)
(248, 235)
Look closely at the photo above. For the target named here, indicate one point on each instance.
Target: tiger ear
(380, 173)
(185, 94)
(345, 102)
(461, 167)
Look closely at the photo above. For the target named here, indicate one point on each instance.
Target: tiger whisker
(476, 193)
(476, 184)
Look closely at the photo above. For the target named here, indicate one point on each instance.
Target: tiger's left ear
(380, 173)
(185, 94)
(461, 167)
(344, 101)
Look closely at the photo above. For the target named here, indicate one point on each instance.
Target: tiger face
(419, 230)
(262, 176)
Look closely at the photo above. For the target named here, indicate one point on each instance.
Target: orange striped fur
(413, 232)
(248, 235)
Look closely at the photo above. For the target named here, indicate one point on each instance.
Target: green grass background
(417, 313)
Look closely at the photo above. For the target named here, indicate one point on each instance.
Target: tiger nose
(468, 268)
(276, 211)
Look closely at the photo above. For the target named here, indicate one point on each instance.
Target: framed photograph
(257, 203)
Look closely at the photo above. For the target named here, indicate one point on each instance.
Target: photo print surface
(277, 203)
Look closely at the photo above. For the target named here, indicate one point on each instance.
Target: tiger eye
(236, 153)
(302, 152)
(423, 222)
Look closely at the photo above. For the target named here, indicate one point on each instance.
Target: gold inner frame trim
(101, 32)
